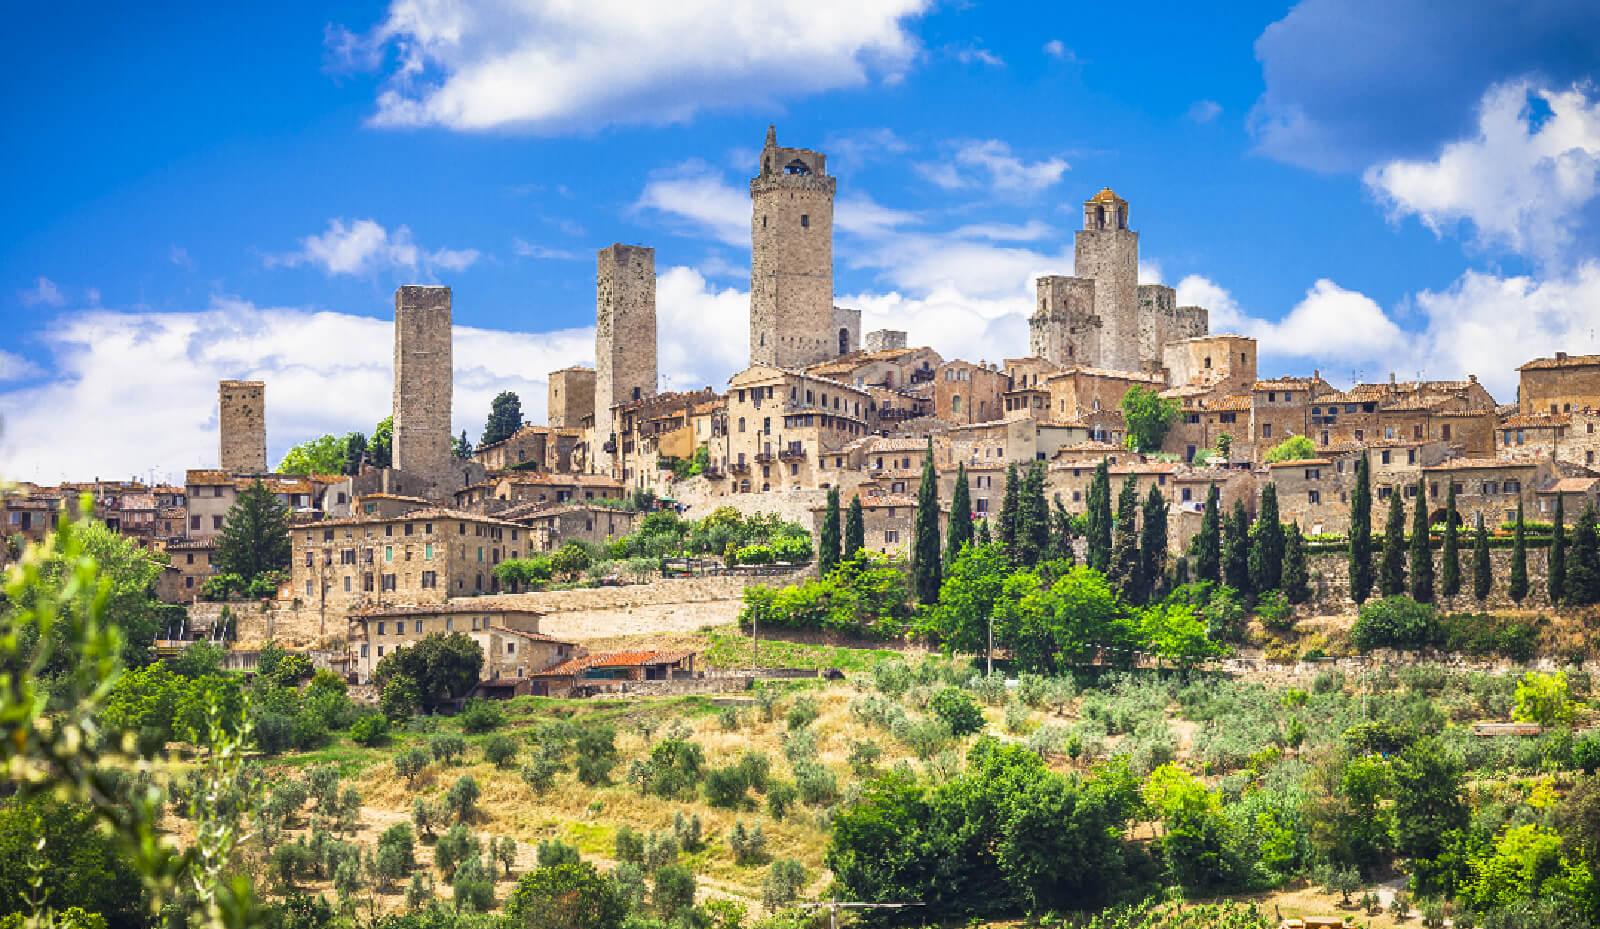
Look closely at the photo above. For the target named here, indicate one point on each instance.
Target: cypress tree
(1392, 569)
(1266, 546)
(255, 534)
(982, 534)
(1558, 555)
(1421, 550)
(1180, 571)
(1124, 574)
(1482, 575)
(1033, 517)
(1296, 573)
(1098, 518)
(1517, 585)
(1450, 567)
(959, 532)
(925, 561)
(1153, 545)
(1206, 546)
(1236, 550)
(1006, 531)
(505, 418)
(1061, 532)
(1361, 532)
(828, 546)
(1582, 583)
(855, 529)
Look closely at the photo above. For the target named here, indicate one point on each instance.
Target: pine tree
(1153, 545)
(925, 557)
(462, 446)
(355, 452)
(1361, 532)
(1098, 519)
(829, 545)
(1558, 555)
(1266, 546)
(1421, 550)
(1392, 567)
(1061, 532)
(1517, 585)
(1296, 573)
(1482, 575)
(505, 418)
(1033, 518)
(255, 535)
(959, 532)
(1206, 546)
(855, 529)
(1582, 583)
(1124, 573)
(1006, 530)
(1450, 566)
(1236, 550)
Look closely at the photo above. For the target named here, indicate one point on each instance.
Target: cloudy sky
(236, 190)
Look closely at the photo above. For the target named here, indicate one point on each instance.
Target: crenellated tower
(792, 321)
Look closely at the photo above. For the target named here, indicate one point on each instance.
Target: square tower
(624, 336)
(847, 327)
(1064, 328)
(1107, 252)
(242, 427)
(422, 380)
(571, 397)
(791, 258)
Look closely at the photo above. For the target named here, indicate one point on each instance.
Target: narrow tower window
(805, 221)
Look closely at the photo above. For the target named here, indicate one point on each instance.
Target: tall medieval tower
(792, 321)
(624, 336)
(242, 427)
(1107, 252)
(422, 380)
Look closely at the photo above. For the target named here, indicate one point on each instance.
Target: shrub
(597, 754)
(1397, 622)
(410, 763)
(673, 894)
(727, 787)
(500, 751)
(462, 798)
(447, 749)
(687, 830)
(1273, 609)
(749, 846)
(864, 757)
(781, 795)
(554, 852)
(629, 845)
(958, 711)
(371, 729)
(540, 771)
(802, 713)
(481, 716)
(674, 768)
(785, 879)
(816, 785)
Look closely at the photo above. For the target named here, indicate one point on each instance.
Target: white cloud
(1204, 111)
(1150, 271)
(704, 330)
(700, 196)
(543, 252)
(553, 67)
(977, 54)
(179, 256)
(956, 324)
(1330, 325)
(44, 292)
(364, 246)
(14, 367)
(990, 163)
(1031, 231)
(862, 216)
(850, 150)
(1522, 182)
(1056, 48)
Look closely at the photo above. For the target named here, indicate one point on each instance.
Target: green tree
(355, 452)
(380, 448)
(1582, 581)
(971, 588)
(1010, 505)
(1517, 584)
(1294, 448)
(855, 529)
(1148, 416)
(1124, 572)
(76, 864)
(829, 544)
(1061, 532)
(1392, 565)
(444, 667)
(1266, 544)
(1205, 549)
(565, 896)
(1049, 624)
(1098, 518)
(1033, 518)
(1236, 550)
(1558, 554)
(1153, 544)
(1450, 557)
(505, 418)
(1482, 575)
(1429, 806)
(325, 454)
(461, 446)
(1361, 532)
(1545, 699)
(255, 535)
(1176, 633)
(1296, 572)
(1421, 549)
(958, 711)
(926, 561)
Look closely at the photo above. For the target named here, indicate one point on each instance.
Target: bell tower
(1107, 252)
(791, 258)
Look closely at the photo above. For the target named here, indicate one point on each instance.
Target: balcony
(763, 458)
(738, 467)
(792, 453)
(712, 473)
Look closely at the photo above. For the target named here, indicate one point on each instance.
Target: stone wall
(422, 381)
(1330, 581)
(570, 399)
(242, 427)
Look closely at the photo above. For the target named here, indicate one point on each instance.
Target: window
(418, 627)
(363, 649)
(1313, 474)
(1188, 494)
(430, 580)
(388, 553)
(805, 221)
(308, 587)
(348, 583)
(194, 522)
(427, 551)
(216, 522)
(380, 651)
(891, 536)
(311, 558)
(1266, 430)
(1383, 457)
(380, 628)
(1313, 496)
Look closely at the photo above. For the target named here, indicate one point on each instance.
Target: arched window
(797, 167)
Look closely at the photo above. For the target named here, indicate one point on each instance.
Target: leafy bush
(958, 711)
(446, 748)
(596, 754)
(481, 716)
(500, 750)
(371, 729)
(1395, 622)
(864, 596)
(1273, 609)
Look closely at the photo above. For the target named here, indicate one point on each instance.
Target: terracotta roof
(207, 477)
(1289, 383)
(1472, 464)
(1105, 196)
(1536, 421)
(1571, 485)
(1561, 360)
(380, 495)
(434, 512)
(191, 545)
(573, 666)
(1234, 404)
(1297, 462)
(1106, 373)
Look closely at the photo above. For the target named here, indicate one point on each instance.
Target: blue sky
(235, 192)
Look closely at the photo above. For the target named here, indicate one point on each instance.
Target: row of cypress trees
(1252, 558)
(832, 547)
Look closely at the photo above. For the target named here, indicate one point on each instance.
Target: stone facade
(513, 647)
(1106, 251)
(1064, 327)
(781, 425)
(1223, 363)
(1162, 321)
(791, 258)
(422, 381)
(847, 326)
(242, 427)
(966, 393)
(1559, 384)
(624, 337)
(880, 339)
(571, 398)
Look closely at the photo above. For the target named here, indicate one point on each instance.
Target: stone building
(570, 398)
(501, 491)
(965, 393)
(211, 494)
(1461, 413)
(652, 435)
(1225, 364)
(189, 565)
(534, 448)
(242, 427)
(880, 339)
(513, 647)
(792, 319)
(422, 381)
(624, 337)
(549, 528)
(897, 368)
(1571, 438)
(781, 423)
(1093, 397)
(1559, 384)
(1487, 486)
(888, 521)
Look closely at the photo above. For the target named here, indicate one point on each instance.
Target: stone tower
(1107, 252)
(570, 398)
(791, 258)
(1064, 328)
(624, 336)
(422, 380)
(242, 427)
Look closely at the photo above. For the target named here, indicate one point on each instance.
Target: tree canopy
(505, 418)
(1148, 416)
(444, 667)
